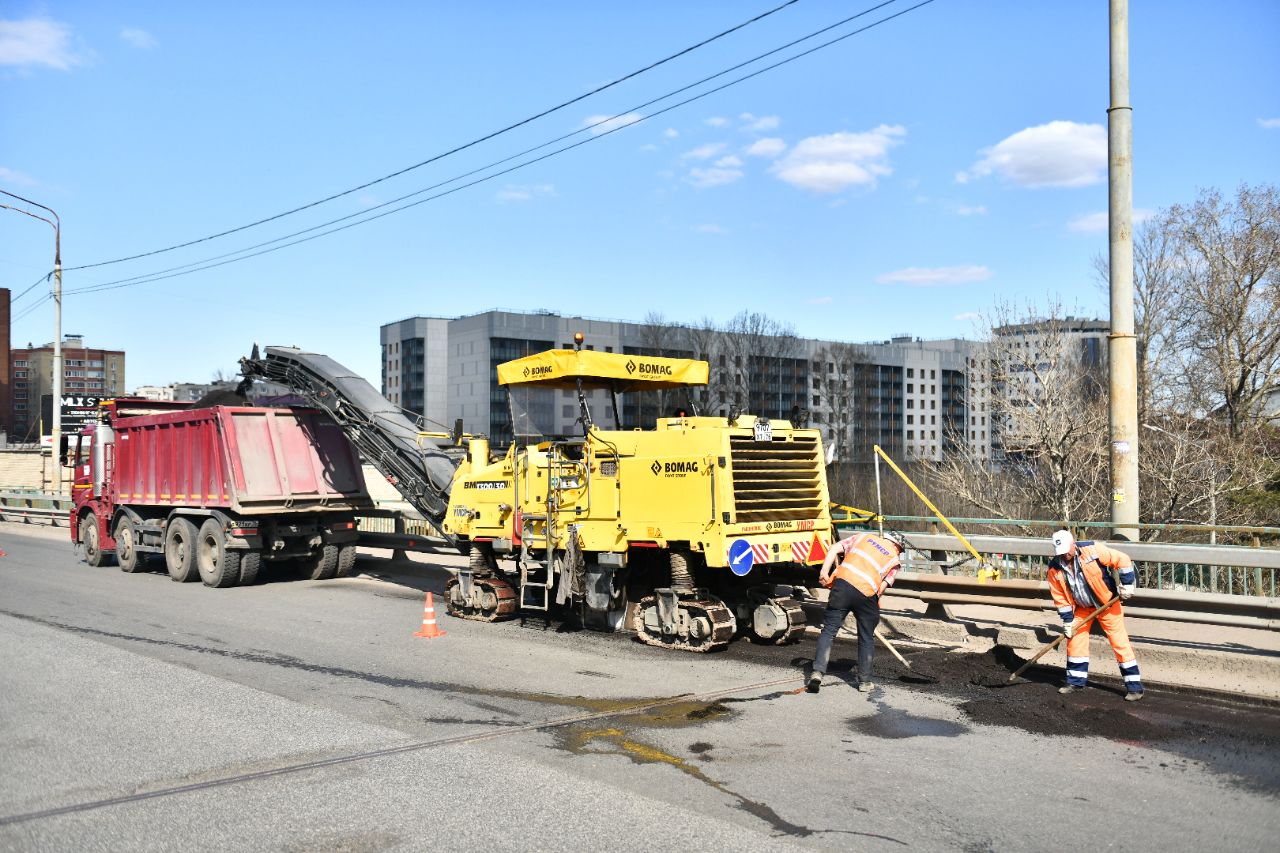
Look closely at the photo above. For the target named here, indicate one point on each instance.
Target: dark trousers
(866, 610)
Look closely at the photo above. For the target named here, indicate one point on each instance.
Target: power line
(44, 277)
(451, 151)
(31, 308)
(222, 260)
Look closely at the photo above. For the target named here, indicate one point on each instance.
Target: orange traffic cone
(429, 628)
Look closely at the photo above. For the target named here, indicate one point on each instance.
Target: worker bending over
(867, 565)
(1083, 576)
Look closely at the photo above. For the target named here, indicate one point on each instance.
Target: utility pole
(56, 406)
(1122, 345)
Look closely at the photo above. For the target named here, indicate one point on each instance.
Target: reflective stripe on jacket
(1087, 580)
(868, 563)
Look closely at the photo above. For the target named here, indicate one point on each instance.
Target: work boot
(865, 686)
(1133, 696)
(815, 683)
(1070, 688)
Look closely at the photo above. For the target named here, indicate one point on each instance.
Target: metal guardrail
(1205, 608)
(34, 508)
(1228, 569)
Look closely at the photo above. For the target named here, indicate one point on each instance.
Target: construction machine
(688, 533)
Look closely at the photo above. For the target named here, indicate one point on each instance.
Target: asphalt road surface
(140, 714)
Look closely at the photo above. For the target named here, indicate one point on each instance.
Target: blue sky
(902, 180)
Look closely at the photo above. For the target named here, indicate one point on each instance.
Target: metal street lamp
(56, 407)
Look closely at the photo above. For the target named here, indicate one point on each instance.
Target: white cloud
(730, 162)
(829, 164)
(1057, 154)
(976, 210)
(670, 133)
(513, 193)
(711, 229)
(716, 121)
(931, 276)
(770, 147)
(967, 315)
(604, 124)
(139, 38)
(703, 178)
(1096, 223)
(704, 152)
(1269, 123)
(36, 41)
(15, 178)
(759, 123)
(819, 300)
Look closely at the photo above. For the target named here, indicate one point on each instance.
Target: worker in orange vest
(1083, 576)
(866, 565)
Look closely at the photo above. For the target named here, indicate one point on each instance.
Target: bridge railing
(34, 508)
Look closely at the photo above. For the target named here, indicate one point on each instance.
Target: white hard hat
(1062, 542)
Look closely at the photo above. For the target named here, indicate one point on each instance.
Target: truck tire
(218, 567)
(322, 565)
(180, 550)
(91, 542)
(250, 562)
(346, 560)
(128, 558)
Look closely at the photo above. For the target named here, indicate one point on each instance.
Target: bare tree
(762, 356)
(1049, 420)
(1229, 287)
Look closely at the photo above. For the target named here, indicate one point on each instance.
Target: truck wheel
(322, 565)
(180, 550)
(218, 567)
(250, 562)
(346, 560)
(91, 542)
(128, 558)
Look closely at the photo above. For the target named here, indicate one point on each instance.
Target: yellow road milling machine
(688, 533)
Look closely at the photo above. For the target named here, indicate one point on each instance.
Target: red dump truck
(216, 491)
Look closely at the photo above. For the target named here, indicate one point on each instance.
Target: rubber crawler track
(723, 625)
(508, 601)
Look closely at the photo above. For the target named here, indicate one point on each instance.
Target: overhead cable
(444, 154)
(222, 260)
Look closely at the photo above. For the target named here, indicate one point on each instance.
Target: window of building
(911, 419)
(911, 404)
(817, 399)
(911, 434)
(933, 374)
(911, 389)
(911, 372)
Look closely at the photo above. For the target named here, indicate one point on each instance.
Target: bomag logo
(674, 469)
(647, 369)
(535, 372)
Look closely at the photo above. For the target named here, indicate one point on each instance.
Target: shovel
(1047, 647)
(929, 679)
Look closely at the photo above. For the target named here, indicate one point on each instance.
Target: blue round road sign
(740, 557)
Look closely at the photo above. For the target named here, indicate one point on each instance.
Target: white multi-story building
(908, 395)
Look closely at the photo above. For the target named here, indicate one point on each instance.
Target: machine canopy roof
(563, 368)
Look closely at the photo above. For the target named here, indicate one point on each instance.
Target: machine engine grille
(778, 480)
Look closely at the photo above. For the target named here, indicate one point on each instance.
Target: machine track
(786, 623)
(708, 624)
(493, 599)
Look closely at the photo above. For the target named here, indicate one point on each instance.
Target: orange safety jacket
(869, 563)
(1087, 581)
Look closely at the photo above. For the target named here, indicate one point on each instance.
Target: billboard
(77, 411)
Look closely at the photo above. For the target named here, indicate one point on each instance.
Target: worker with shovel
(1085, 577)
(856, 570)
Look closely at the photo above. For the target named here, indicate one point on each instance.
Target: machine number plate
(764, 431)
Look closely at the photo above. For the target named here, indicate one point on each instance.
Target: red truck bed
(244, 459)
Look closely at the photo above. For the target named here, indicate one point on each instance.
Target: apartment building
(908, 395)
(86, 372)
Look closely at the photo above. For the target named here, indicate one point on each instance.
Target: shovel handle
(1047, 647)
(888, 645)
